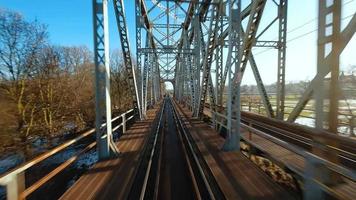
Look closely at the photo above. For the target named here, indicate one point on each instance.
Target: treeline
(290, 88)
(347, 83)
(47, 89)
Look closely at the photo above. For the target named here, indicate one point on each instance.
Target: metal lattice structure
(203, 48)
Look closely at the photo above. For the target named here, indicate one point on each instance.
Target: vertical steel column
(329, 21)
(157, 80)
(334, 88)
(282, 36)
(153, 81)
(328, 39)
(176, 78)
(232, 141)
(197, 49)
(219, 65)
(144, 78)
(151, 76)
(102, 78)
(188, 64)
(139, 25)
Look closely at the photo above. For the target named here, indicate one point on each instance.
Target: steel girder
(219, 65)
(282, 36)
(265, 99)
(143, 23)
(144, 78)
(244, 52)
(191, 74)
(105, 144)
(232, 141)
(250, 36)
(121, 24)
(208, 57)
(139, 25)
(325, 38)
(197, 52)
(343, 39)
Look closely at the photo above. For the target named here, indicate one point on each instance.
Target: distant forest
(347, 82)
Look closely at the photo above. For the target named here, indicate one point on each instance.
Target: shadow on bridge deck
(237, 176)
(112, 179)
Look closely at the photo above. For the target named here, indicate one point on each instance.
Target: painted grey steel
(144, 77)
(207, 61)
(139, 21)
(314, 187)
(197, 58)
(102, 80)
(343, 39)
(125, 46)
(281, 71)
(232, 65)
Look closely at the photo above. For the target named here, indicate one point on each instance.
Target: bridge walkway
(292, 162)
(112, 179)
(237, 176)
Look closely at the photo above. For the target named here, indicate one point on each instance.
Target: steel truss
(208, 25)
(327, 63)
(105, 145)
(130, 68)
(187, 52)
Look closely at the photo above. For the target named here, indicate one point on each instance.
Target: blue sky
(70, 23)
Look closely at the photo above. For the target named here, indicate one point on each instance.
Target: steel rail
(212, 194)
(190, 167)
(150, 172)
(346, 149)
(152, 153)
(309, 157)
(297, 132)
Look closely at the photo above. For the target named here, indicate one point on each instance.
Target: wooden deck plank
(272, 149)
(237, 176)
(287, 158)
(111, 179)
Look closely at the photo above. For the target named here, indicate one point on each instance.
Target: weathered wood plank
(111, 179)
(237, 176)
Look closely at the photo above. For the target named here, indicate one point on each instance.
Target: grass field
(346, 118)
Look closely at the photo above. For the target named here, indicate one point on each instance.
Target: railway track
(301, 136)
(170, 166)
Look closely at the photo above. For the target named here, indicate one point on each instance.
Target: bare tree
(120, 91)
(20, 44)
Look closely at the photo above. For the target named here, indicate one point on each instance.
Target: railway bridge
(199, 141)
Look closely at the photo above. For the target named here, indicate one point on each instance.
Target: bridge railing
(313, 185)
(14, 180)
